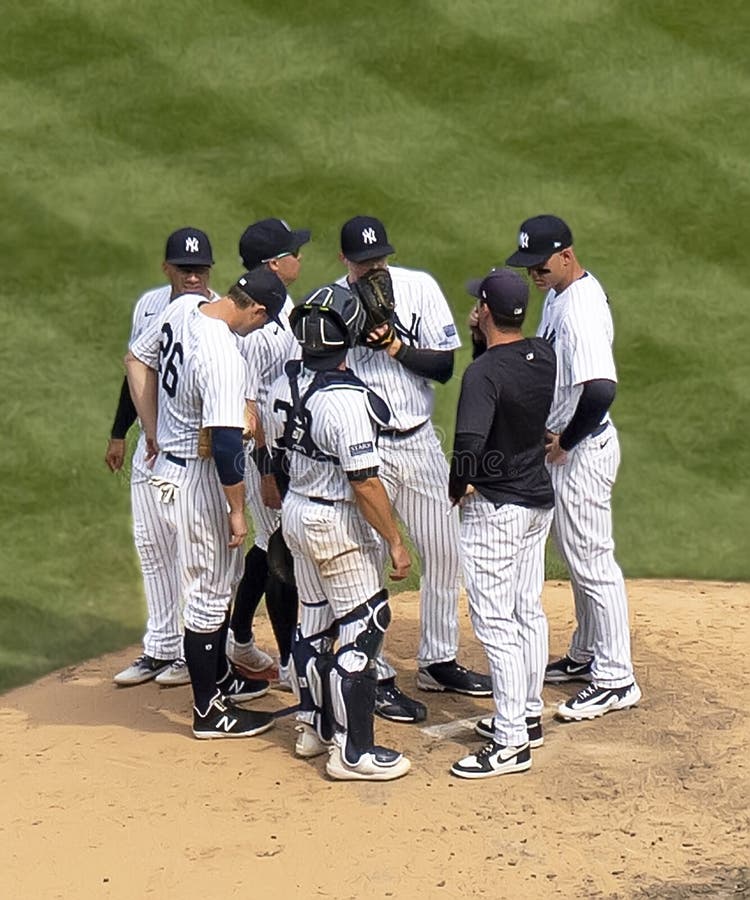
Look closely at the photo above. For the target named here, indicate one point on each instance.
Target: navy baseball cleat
(392, 703)
(449, 676)
(593, 701)
(237, 687)
(493, 759)
(567, 669)
(225, 720)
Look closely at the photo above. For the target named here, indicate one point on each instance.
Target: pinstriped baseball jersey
(578, 324)
(342, 425)
(202, 375)
(265, 351)
(422, 319)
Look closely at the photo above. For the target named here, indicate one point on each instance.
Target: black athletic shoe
(225, 720)
(567, 669)
(494, 759)
(392, 703)
(485, 728)
(449, 676)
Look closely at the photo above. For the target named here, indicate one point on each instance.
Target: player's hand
(115, 455)
(269, 492)
(400, 561)
(237, 528)
(556, 456)
(152, 451)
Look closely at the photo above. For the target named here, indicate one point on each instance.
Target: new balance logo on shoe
(225, 723)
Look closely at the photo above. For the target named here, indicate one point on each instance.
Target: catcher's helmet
(327, 323)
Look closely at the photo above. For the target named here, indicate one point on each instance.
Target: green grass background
(452, 121)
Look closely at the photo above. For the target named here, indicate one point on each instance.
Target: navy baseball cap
(188, 247)
(505, 292)
(363, 238)
(538, 238)
(266, 288)
(269, 238)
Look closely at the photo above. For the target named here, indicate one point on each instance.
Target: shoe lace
(487, 750)
(589, 691)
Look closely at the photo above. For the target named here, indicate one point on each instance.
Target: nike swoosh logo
(603, 444)
(149, 314)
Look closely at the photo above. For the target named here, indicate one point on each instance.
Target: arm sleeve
(434, 364)
(474, 417)
(228, 454)
(125, 415)
(596, 398)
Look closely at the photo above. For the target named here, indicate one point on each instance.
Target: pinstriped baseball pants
(503, 560)
(582, 530)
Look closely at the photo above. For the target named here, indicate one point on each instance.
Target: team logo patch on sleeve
(449, 330)
(359, 449)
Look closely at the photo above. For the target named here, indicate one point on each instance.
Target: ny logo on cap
(523, 241)
(192, 245)
(369, 236)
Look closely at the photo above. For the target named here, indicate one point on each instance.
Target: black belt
(323, 501)
(177, 460)
(599, 429)
(396, 433)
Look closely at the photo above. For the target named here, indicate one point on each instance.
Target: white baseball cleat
(309, 742)
(493, 759)
(593, 701)
(377, 764)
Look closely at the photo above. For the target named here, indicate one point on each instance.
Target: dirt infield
(106, 794)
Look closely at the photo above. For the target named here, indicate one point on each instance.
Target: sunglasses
(294, 253)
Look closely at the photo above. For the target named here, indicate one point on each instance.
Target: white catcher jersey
(578, 324)
(422, 319)
(201, 374)
(342, 426)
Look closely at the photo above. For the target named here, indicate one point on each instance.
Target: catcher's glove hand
(375, 291)
(280, 561)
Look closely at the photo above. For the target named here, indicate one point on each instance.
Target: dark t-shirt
(506, 395)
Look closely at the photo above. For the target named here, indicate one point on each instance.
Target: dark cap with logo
(505, 292)
(268, 239)
(266, 288)
(363, 238)
(538, 238)
(188, 247)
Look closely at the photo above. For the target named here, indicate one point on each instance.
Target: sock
(201, 651)
(249, 592)
(281, 603)
(223, 668)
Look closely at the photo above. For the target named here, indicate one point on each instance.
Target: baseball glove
(205, 446)
(375, 291)
(280, 562)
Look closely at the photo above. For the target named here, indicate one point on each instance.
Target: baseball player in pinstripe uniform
(324, 422)
(188, 368)
(583, 455)
(271, 243)
(187, 265)
(400, 362)
(499, 451)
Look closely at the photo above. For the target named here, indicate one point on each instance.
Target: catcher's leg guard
(311, 662)
(352, 676)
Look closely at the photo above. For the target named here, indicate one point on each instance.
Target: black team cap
(188, 247)
(505, 292)
(363, 238)
(538, 239)
(266, 288)
(268, 239)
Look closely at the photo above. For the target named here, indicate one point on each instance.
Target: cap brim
(472, 287)
(370, 253)
(300, 237)
(522, 259)
(188, 261)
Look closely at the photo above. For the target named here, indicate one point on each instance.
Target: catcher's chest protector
(299, 418)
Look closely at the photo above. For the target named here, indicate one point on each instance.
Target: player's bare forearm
(235, 494)
(143, 384)
(252, 421)
(375, 506)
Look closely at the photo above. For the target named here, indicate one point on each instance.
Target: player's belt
(177, 460)
(597, 431)
(397, 433)
(323, 501)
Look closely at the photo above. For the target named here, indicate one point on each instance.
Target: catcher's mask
(327, 323)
